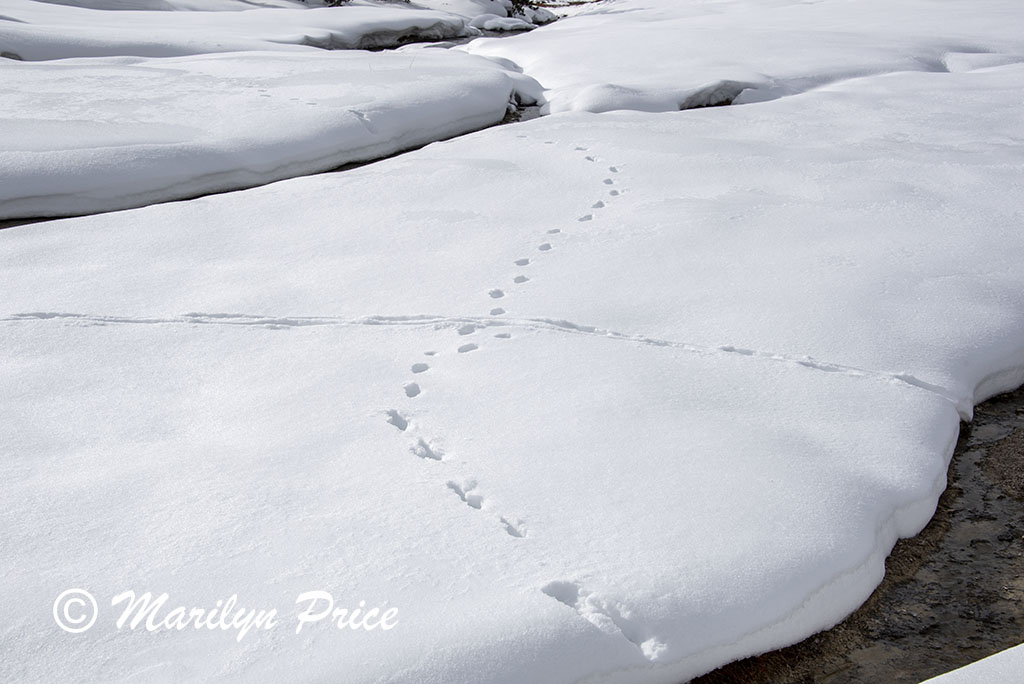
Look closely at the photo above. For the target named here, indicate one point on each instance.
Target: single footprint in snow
(554, 231)
(468, 348)
(520, 279)
(397, 419)
(430, 353)
(522, 262)
(422, 449)
(589, 158)
(503, 336)
(581, 149)
(496, 294)
(467, 329)
(546, 247)
(609, 181)
(419, 367)
(587, 217)
(412, 390)
(515, 529)
(464, 492)
(613, 169)
(614, 193)
(597, 205)
(497, 311)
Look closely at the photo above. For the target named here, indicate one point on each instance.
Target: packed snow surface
(607, 397)
(88, 135)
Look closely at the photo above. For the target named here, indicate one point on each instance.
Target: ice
(88, 135)
(691, 434)
(662, 55)
(33, 30)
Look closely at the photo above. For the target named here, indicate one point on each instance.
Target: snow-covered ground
(605, 397)
(31, 30)
(661, 55)
(89, 135)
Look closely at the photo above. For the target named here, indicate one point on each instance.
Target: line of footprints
(428, 449)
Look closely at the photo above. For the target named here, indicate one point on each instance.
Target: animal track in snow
(597, 205)
(398, 420)
(464, 492)
(467, 329)
(412, 390)
(520, 279)
(554, 231)
(497, 311)
(608, 181)
(496, 294)
(424, 450)
(609, 616)
(504, 336)
(419, 368)
(614, 193)
(581, 149)
(514, 529)
(522, 262)
(545, 247)
(589, 158)
(585, 217)
(468, 348)
(613, 169)
(430, 353)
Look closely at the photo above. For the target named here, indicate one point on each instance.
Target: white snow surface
(180, 5)
(33, 31)
(663, 55)
(89, 135)
(1004, 667)
(605, 398)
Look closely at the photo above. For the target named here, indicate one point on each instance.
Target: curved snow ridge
(212, 123)
(825, 606)
(836, 599)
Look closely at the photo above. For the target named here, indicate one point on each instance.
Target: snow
(609, 397)
(91, 135)
(662, 55)
(40, 31)
(179, 5)
(472, 9)
(1002, 668)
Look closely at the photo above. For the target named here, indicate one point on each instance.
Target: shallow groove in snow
(539, 324)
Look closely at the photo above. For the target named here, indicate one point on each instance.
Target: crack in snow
(537, 324)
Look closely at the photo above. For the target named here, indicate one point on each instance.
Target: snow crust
(663, 55)
(89, 135)
(609, 398)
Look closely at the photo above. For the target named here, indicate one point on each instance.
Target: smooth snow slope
(90, 135)
(663, 55)
(545, 388)
(40, 31)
